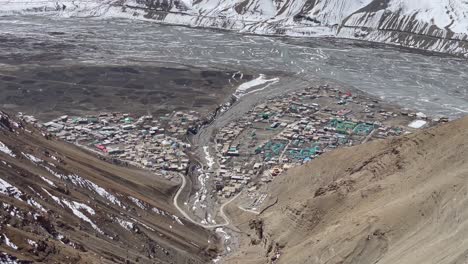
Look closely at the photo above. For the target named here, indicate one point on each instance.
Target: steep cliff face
(430, 24)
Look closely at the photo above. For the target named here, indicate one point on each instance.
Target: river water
(430, 83)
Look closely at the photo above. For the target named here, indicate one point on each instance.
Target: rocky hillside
(60, 204)
(436, 25)
(402, 200)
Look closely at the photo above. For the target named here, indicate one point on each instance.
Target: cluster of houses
(272, 137)
(289, 131)
(155, 144)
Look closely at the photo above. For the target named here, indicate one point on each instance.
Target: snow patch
(58, 175)
(137, 202)
(177, 219)
(248, 87)
(220, 230)
(166, 214)
(417, 124)
(209, 159)
(9, 190)
(125, 224)
(6, 150)
(14, 211)
(77, 180)
(32, 158)
(201, 195)
(55, 198)
(9, 243)
(84, 207)
(76, 207)
(158, 211)
(51, 183)
(33, 203)
(32, 242)
(7, 259)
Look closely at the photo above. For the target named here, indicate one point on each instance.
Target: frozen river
(432, 84)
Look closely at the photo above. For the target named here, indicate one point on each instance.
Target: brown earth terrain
(401, 200)
(60, 204)
(48, 92)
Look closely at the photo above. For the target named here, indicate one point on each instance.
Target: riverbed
(431, 83)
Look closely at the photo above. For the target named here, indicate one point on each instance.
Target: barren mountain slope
(60, 204)
(402, 200)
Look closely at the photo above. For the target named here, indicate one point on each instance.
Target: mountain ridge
(440, 26)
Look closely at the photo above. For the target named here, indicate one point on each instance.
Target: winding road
(186, 216)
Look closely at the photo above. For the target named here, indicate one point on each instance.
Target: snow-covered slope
(438, 25)
(60, 204)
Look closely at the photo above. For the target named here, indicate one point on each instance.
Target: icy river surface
(430, 83)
